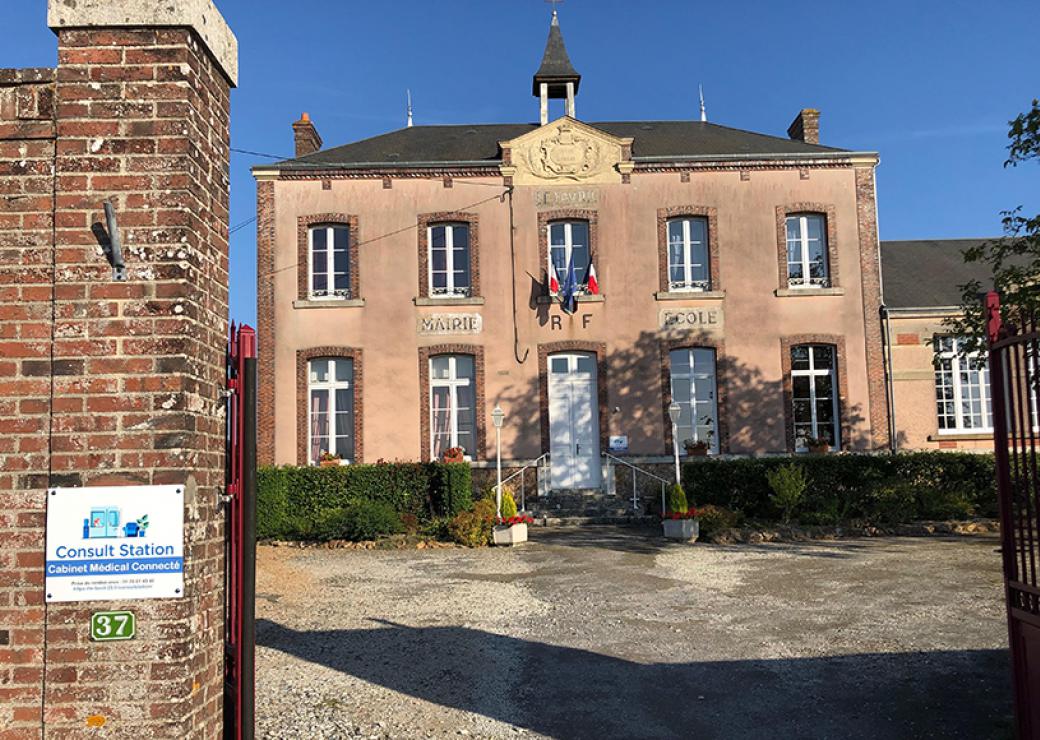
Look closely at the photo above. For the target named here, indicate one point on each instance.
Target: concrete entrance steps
(584, 506)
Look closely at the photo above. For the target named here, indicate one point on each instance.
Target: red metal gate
(1014, 343)
(240, 554)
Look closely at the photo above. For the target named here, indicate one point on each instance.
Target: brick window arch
(303, 250)
(303, 358)
(425, 430)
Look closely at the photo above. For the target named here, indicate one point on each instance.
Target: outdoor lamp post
(497, 417)
(673, 414)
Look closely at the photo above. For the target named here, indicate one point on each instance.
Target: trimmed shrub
(273, 514)
(788, 483)
(508, 504)
(715, 519)
(677, 502)
(473, 528)
(366, 520)
(450, 487)
(848, 486)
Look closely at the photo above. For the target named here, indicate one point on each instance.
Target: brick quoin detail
(664, 215)
(425, 353)
(426, 220)
(113, 383)
(265, 324)
(603, 399)
(303, 356)
(303, 225)
(721, 395)
(838, 343)
(830, 212)
(870, 274)
(565, 214)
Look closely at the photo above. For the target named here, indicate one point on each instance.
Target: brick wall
(124, 385)
(26, 254)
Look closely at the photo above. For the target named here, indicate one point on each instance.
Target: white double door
(573, 421)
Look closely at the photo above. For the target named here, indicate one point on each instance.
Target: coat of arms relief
(566, 154)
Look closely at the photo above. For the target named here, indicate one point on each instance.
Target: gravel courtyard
(606, 633)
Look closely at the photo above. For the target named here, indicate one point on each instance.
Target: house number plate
(108, 626)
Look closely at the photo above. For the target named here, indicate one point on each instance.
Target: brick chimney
(307, 139)
(806, 126)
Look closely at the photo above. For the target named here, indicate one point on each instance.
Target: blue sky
(930, 84)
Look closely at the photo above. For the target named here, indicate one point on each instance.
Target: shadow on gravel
(635, 540)
(568, 693)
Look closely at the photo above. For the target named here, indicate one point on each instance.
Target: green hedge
(297, 502)
(902, 487)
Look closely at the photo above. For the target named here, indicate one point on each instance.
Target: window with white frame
(688, 266)
(453, 402)
(694, 389)
(330, 408)
(807, 251)
(449, 260)
(569, 240)
(329, 262)
(961, 389)
(814, 395)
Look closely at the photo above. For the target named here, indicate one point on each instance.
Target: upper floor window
(807, 251)
(329, 263)
(569, 241)
(330, 408)
(688, 261)
(453, 404)
(961, 389)
(449, 260)
(814, 386)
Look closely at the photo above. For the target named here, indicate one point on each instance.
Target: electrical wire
(500, 197)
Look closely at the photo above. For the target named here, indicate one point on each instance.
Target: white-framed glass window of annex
(962, 401)
(807, 265)
(567, 240)
(330, 408)
(814, 395)
(453, 402)
(328, 263)
(694, 388)
(449, 260)
(688, 260)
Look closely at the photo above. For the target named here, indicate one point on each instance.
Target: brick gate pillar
(115, 383)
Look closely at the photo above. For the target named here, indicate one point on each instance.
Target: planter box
(330, 463)
(512, 535)
(686, 530)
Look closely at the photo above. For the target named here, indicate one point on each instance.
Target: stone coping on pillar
(201, 16)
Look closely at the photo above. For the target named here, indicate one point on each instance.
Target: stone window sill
(449, 301)
(338, 303)
(690, 295)
(962, 437)
(545, 300)
(807, 292)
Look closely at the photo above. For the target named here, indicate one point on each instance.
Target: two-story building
(410, 282)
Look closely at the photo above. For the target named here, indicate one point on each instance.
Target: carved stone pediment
(565, 151)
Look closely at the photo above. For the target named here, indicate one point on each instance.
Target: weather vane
(554, 3)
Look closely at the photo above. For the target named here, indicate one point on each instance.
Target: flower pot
(454, 459)
(685, 530)
(329, 463)
(510, 534)
(697, 451)
(819, 449)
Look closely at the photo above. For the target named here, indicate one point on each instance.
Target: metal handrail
(647, 473)
(523, 479)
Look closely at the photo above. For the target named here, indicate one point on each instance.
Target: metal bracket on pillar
(114, 252)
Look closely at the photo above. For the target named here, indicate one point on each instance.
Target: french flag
(554, 280)
(592, 283)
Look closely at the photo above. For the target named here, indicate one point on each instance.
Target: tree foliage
(1014, 260)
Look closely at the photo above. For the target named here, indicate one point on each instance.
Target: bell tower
(556, 78)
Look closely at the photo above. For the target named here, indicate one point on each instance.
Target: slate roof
(556, 64)
(478, 144)
(925, 273)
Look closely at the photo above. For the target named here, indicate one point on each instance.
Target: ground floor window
(694, 389)
(330, 407)
(961, 389)
(453, 412)
(814, 395)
